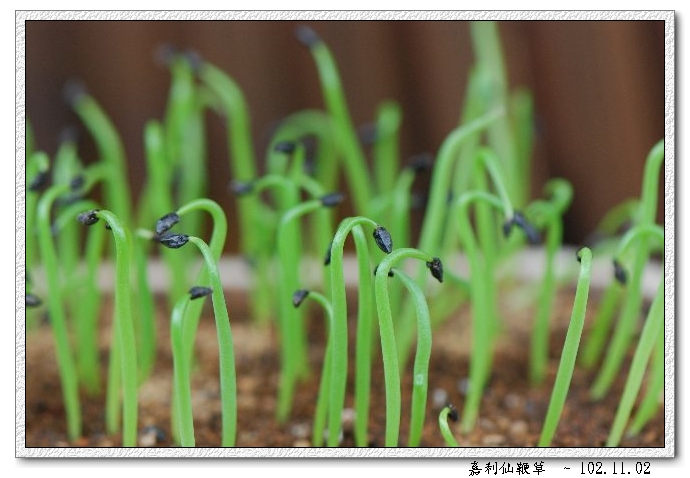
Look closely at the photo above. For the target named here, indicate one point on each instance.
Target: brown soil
(511, 413)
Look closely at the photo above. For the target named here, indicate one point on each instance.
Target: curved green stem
(339, 342)
(420, 372)
(443, 425)
(228, 380)
(569, 353)
(124, 328)
(655, 389)
(388, 349)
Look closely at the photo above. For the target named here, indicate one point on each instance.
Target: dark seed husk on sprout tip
(40, 181)
(332, 199)
(166, 222)
(532, 234)
(88, 218)
(420, 162)
(287, 147)
(76, 182)
(327, 258)
(436, 268)
(383, 239)
(32, 301)
(174, 241)
(299, 296)
(199, 291)
(452, 412)
(240, 188)
(619, 272)
(307, 36)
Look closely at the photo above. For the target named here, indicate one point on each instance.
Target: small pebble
(348, 419)
(464, 386)
(518, 429)
(512, 401)
(487, 424)
(300, 430)
(493, 440)
(439, 398)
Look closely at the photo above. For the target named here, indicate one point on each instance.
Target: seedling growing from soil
(181, 377)
(123, 363)
(228, 381)
(449, 411)
(389, 350)
(569, 352)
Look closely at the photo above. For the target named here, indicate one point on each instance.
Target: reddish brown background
(598, 87)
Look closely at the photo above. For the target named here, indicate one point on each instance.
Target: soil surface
(511, 412)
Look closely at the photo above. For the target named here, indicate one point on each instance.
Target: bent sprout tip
(452, 412)
(383, 239)
(73, 91)
(533, 236)
(88, 218)
(420, 163)
(198, 292)
(287, 147)
(390, 271)
(174, 241)
(306, 36)
(40, 181)
(299, 296)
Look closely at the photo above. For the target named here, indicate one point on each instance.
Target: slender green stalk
(320, 413)
(599, 335)
(389, 350)
(652, 328)
(228, 380)
(624, 332)
(339, 342)
(448, 411)
(569, 353)
(354, 161)
(55, 303)
(124, 327)
(484, 310)
(420, 372)
(293, 333)
(386, 147)
(655, 390)
(36, 179)
(181, 375)
(552, 211)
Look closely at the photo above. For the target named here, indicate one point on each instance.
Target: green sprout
(123, 353)
(181, 379)
(569, 352)
(632, 301)
(321, 410)
(449, 411)
(389, 350)
(228, 380)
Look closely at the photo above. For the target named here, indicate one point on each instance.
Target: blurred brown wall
(598, 87)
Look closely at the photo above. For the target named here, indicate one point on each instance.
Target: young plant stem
(124, 328)
(653, 327)
(293, 334)
(339, 331)
(601, 324)
(386, 147)
(321, 410)
(632, 303)
(228, 380)
(37, 165)
(388, 348)
(655, 389)
(569, 353)
(552, 212)
(420, 374)
(446, 412)
(65, 360)
(354, 161)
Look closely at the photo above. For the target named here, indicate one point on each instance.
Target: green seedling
(228, 380)
(549, 217)
(123, 352)
(386, 145)
(339, 303)
(389, 349)
(569, 352)
(320, 413)
(293, 332)
(655, 389)
(181, 377)
(354, 161)
(632, 302)
(449, 411)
